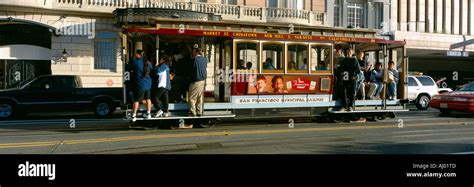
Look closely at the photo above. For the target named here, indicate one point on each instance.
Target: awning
(11, 20)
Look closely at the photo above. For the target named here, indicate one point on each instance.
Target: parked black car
(58, 93)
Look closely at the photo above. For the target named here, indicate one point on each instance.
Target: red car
(460, 100)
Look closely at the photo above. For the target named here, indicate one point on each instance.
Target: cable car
(261, 70)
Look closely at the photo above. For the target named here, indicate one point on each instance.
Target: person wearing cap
(197, 78)
(347, 72)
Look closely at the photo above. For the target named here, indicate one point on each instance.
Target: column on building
(438, 26)
(394, 15)
(330, 12)
(464, 19)
(429, 15)
(402, 13)
(420, 22)
(343, 13)
(412, 15)
(371, 16)
(386, 16)
(470, 18)
(447, 17)
(455, 10)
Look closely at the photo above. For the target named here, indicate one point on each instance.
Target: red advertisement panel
(287, 84)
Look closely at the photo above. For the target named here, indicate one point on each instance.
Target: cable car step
(368, 111)
(185, 117)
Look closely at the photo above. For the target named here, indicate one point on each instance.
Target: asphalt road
(414, 132)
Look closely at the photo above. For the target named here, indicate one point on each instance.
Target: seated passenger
(268, 64)
(376, 79)
(249, 65)
(305, 64)
(292, 65)
(321, 66)
(392, 81)
(241, 64)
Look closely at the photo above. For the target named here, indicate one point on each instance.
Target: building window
(355, 12)
(293, 4)
(104, 51)
(229, 2)
(337, 14)
(296, 4)
(272, 3)
(379, 16)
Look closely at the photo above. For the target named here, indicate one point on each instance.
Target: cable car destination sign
(258, 35)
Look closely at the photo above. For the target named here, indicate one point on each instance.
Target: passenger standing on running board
(348, 71)
(161, 86)
(198, 78)
(142, 84)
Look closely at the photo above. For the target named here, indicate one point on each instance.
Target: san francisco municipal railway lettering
(247, 101)
(270, 100)
(315, 99)
(295, 100)
(278, 100)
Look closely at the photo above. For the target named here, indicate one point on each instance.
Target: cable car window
(297, 59)
(247, 56)
(321, 57)
(272, 58)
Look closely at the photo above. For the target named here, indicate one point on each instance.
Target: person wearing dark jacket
(196, 88)
(348, 73)
(180, 70)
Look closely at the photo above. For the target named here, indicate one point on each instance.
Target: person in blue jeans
(142, 84)
(376, 79)
(392, 81)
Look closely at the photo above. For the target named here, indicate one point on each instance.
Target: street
(414, 132)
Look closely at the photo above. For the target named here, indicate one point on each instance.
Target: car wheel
(103, 109)
(6, 111)
(423, 102)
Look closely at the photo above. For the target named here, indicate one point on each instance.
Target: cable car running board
(183, 117)
(367, 111)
